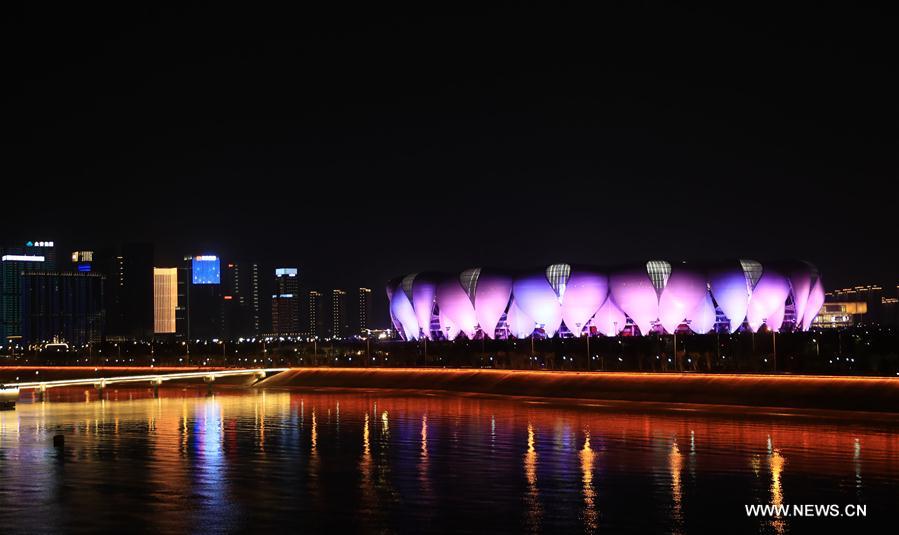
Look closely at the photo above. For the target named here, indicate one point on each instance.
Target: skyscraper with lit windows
(286, 302)
(364, 312)
(314, 316)
(339, 324)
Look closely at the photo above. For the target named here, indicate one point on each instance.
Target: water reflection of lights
(424, 436)
(532, 498)
(213, 482)
(675, 465)
(587, 455)
(776, 463)
(197, 454)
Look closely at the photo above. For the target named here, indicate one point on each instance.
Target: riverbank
(876, 394)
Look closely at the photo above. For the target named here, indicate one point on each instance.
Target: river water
(384, 462)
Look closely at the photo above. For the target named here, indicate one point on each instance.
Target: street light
(774, 347)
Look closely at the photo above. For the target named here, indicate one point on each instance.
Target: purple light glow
(775, 320)
(404, 316)
(814, 304)
(447, 327)
(424, 292)
(491, 299)
(728, 287)
(520, 324)
(801, 282)
(768, 296)
(539, 301)
(585, 293)
(636, 296)
(609, 319)
(454, 303)
(683, 293)
(702, 318)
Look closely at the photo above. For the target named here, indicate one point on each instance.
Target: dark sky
(362, 145)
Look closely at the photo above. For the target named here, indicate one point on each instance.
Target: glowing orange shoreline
(879, 394)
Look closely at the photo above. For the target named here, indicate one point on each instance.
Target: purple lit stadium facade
(570, 300)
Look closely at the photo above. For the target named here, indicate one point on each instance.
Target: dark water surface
(381, 461)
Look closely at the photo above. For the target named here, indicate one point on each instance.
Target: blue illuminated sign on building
(206, 269)
(84, 267)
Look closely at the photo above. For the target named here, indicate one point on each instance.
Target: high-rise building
(364, 309)
(314, 317)
(203, 297)
(165, 300)
(62, 305)
(17, 260)
(286, 302)
(138, 289)
(242, 300)
(182, 309)
(339, 326)
(129, 287)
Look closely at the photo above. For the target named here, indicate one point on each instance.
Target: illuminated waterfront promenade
(874, 394)
(819, 392)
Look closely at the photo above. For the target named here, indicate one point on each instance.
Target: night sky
(363, 145)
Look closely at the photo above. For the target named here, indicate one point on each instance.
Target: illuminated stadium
(657, 297)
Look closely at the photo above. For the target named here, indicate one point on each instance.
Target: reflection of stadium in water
(387, 461)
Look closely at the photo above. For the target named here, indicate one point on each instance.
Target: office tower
(242, 300)
(314, 317)
(364, 310)
(111, 264)
(165, 300)
(286, 302)
(129, 287)
(67, 306)
(137, 269)
(201, 281)
(182, 309)
(339, 326)
(16, 260)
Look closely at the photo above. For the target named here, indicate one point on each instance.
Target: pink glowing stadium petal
(769, 294)
(492, 296)
(585, 292)
(702, 318)
(728, 287)
(520, 324)
(685, 289)
(814, 304)
(609, 319)
(775, 320)
(539, 301)
(447, 327)
(404, 316)
(801, 283)
(424, 296)
(636, 296)
(453, 301)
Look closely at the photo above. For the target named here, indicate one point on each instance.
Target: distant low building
(840, 314)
